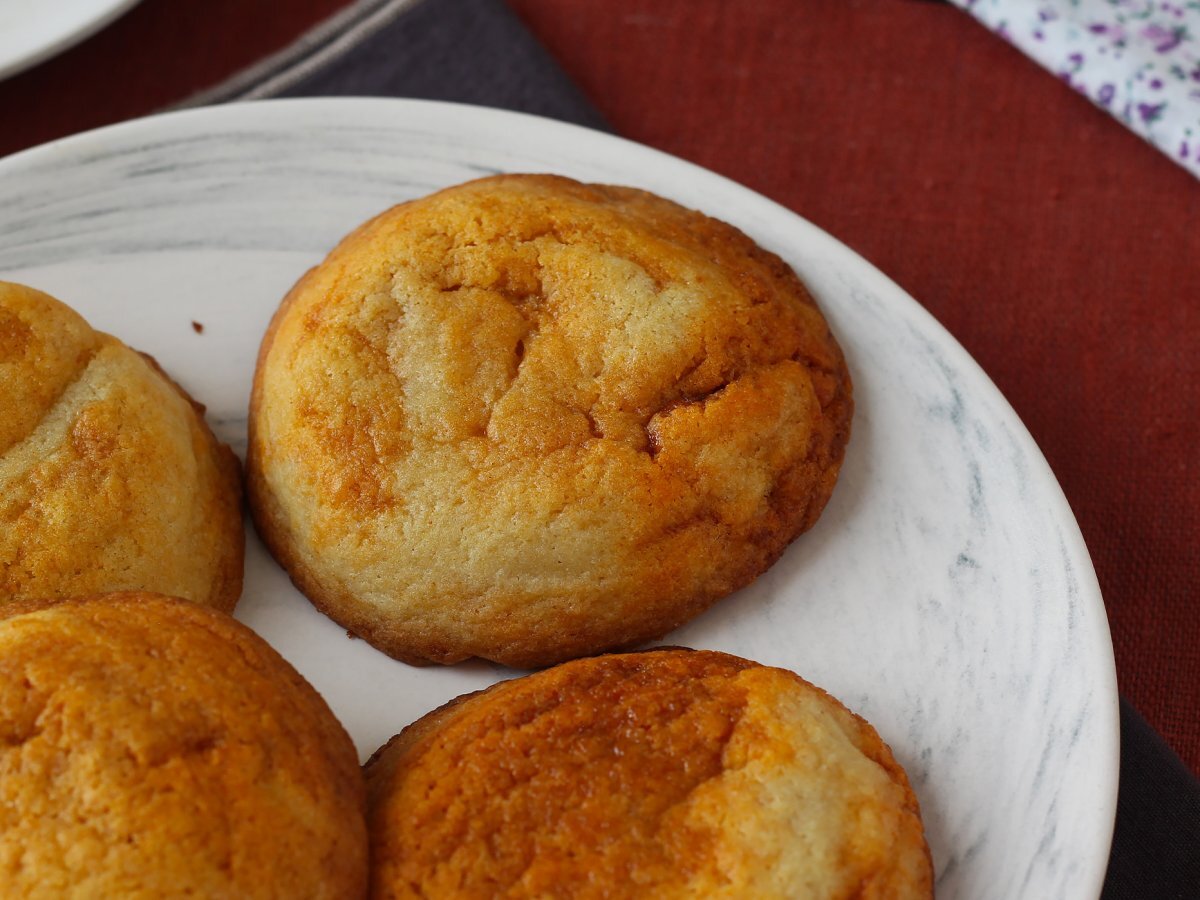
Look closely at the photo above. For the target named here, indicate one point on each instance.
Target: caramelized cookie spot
(96, 433)
(15, 335)
(584, 774)
(352, 473)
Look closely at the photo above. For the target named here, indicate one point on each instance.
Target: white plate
(946, 593)
(35, 30)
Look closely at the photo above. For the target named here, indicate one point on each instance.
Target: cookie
(663, 774)
(528, 419)
(152, 747)
(109, 477)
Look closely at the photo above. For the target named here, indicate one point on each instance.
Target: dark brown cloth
(1156, 846)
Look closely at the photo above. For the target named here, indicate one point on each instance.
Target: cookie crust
(110, 478)
(153, 747)
(669, 774)
(528, 419)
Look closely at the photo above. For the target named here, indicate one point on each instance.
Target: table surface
(1061, 250)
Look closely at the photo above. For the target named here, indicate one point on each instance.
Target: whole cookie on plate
(109, 477)
(664, 774)
(528, 419)
(152, 747)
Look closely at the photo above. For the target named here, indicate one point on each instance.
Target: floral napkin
(1138, 59)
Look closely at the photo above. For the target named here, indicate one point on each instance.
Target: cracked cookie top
(109, 477)
(152, 747)
(665, 774)
(529, 419)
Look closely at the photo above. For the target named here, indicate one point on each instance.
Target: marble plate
(946, 593)
(35, 30)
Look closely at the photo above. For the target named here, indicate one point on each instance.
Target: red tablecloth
(1062, 251)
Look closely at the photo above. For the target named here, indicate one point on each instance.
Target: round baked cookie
(529, 419)
(665, 774)
(152, 747)
(109, 477)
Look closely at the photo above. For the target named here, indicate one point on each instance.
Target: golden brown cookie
(529, 419)
(668, 774)
(151, 747)
(109, 477)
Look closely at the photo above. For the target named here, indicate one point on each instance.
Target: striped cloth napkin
(1137, 59)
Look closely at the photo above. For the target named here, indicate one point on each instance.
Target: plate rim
(1099, 646)
(66, 38)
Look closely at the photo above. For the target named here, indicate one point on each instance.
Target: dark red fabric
(1061, 250)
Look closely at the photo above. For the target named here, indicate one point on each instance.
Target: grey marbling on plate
(946, 593)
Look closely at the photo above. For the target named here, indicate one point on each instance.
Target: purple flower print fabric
(1138, 59)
